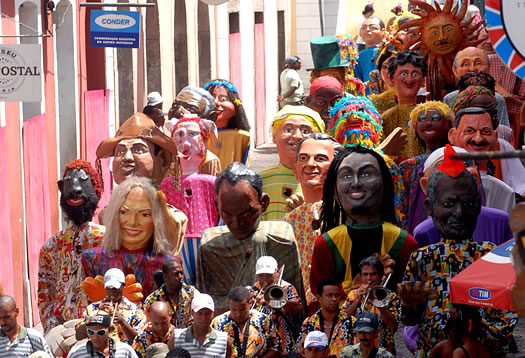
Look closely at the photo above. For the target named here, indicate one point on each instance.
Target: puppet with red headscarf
(192, 193)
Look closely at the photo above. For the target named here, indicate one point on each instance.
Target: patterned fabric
(365, 63)
(180, 311)
(281, 325)
(133, 314)
(355, 352)
(411, 199)
(337, 253)
(279, 183)
(261, 336)
(232, 145)
(301, 219)
(503, 115)
(141, 263)
(399, 116)
(438, 264)
(25, 343)
(384, 101)
(509, 81)
(146, 337)
(59, 275)
(385, 337)
(342, 336)
(375, 84)
(225, 261)
(190, 249)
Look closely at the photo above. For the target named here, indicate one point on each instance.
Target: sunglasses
(100, 332)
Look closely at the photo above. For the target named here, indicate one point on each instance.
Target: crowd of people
(359, 227)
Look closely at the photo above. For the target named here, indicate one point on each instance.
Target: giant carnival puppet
(60, 273)
(233, 141)
(191, 192)
(438, 35)
(140, 149)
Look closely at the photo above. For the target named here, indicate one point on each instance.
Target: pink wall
(6, 271)
(260, 85)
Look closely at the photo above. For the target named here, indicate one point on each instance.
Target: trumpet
(275, 295)
(379, 295)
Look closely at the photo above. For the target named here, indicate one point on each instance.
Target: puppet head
(431, 121)
(80, 190)
(228, 105)
(193, 100)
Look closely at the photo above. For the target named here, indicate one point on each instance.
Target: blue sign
(115, 28)
(479, 293)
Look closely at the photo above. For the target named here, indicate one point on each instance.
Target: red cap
(449, 166)
(325, 81)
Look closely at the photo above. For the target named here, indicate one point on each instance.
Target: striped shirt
(122, 350)
(27, 342)
(279, 183)
(214, 345)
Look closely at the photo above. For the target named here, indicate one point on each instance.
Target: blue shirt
(365, 63)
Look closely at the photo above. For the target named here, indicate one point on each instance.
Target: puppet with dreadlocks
(438, 35)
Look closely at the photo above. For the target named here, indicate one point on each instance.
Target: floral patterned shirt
(282, 325)
(437, 264)
(261, 336)
(342, 332)
(146, 337)
(60, 273)
(180, 311)
(355, 352)
(385, 337)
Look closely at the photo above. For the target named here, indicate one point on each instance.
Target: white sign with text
(20, 73)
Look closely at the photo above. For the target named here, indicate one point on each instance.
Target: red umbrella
(488, 281)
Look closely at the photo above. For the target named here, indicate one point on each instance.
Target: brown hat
(137, 126)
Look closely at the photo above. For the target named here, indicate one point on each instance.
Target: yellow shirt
(231, 146)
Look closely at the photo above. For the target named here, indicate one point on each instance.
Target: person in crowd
(233, 141)
(407, 70)
(178, 353)
(99, 329)
(330, 319)
(228, 254)
(290, 125)
(15, 339)
(454, 203)
(314, 155)
(156, 116)
(325, 91)
(380, 86)
(492, 224)
(200, 339)
(137, 235)
(59, 273)
(473, 130)
(140, 149)
(368, 11)
(155, 100)
(358, 207)
(283, 311)
(251, 332)
(430, 122)
(127, 317)
(475, 59)
(158, 329)
(175, 293)
(189, 191)
(371, 32)
(291, 84)
(359, 301)
(366, 327)
(316, 345)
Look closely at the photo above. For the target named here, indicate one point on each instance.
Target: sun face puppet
(439, 34)
(355, 121)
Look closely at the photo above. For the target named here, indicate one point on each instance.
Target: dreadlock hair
(332, 214)
(476, 78)
(240, 120)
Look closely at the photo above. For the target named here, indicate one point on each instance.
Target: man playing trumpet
(279, 300)
(364, 299)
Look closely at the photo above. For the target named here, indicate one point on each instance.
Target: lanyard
(334, 323)
(241, 347)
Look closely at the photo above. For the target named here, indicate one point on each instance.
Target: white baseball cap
(265, 264)
(438, 153)
(316, 339)
(154, 98)
(114, 278)
(201, 301)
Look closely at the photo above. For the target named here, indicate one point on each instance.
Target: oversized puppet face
(187, 102)
(470, 59)
(288, 135)
(441, 35)
(408, 79)
(323, 100)
(371, 31)
(137, 157)
(359, 185)
(191, 144)
(224, 105)
(313, 161)
(474, 133)
(136, 220)
(432, 126)
(78, 198)
(355, 121)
